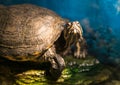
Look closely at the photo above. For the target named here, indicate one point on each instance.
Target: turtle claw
(60, 62)
(57, 66)
(81, 54)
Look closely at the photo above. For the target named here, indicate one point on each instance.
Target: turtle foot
(57, 66)
(80, 54)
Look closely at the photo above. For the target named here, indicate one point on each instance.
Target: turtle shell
(27, 31)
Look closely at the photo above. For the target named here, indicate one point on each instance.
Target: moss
(77, 72)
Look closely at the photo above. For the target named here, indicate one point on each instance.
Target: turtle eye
(69, 25)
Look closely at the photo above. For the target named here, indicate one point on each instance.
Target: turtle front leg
(57, 64)
(80, 49)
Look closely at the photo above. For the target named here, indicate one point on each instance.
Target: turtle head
(73, 33)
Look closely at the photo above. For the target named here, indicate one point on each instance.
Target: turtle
(32, 33)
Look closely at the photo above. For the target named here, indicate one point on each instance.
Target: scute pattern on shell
(26, 29)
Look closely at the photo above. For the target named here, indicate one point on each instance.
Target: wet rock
(82, 72)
